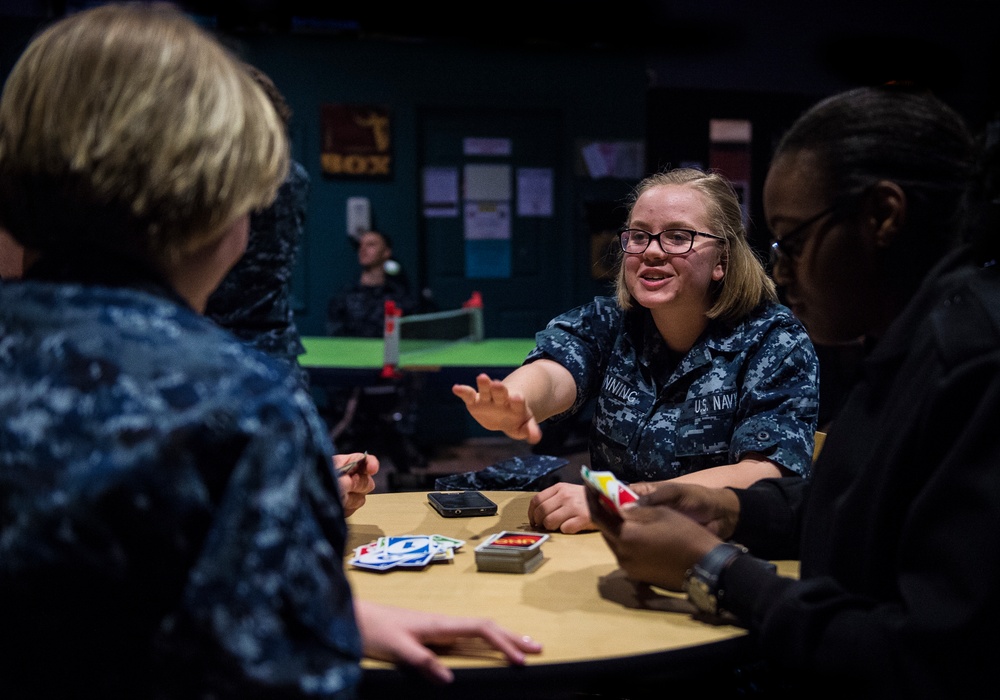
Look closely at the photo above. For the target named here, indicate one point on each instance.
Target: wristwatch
(702, 581)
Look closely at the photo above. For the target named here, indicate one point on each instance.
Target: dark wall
(597, 95)
(659, 80)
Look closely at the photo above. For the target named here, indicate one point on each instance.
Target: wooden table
(597, 627)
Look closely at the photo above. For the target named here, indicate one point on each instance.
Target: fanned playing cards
(407, 552)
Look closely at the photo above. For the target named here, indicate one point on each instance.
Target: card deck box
(511, 552)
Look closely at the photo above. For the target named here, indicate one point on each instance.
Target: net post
(475, 306)
(390, 338)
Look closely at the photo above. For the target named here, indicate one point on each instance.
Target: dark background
(552, 76)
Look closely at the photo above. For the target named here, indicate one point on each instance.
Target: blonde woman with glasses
(698, 373)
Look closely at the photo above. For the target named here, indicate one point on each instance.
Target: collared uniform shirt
(170, 524)
(748, 388)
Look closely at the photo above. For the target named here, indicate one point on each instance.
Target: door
(521, 260)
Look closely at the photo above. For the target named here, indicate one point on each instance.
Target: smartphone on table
(461, 504)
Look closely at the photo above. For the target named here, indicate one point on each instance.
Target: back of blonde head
(136, 111)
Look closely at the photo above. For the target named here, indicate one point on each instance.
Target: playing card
(520, 545)
(511, 552)
(416, 561)
(613, 492)
(447, 542)
(404, 551)
(508, 565)
(374, 562)
(352, 466)
(407, 546)
(518, 540)
(444, 555)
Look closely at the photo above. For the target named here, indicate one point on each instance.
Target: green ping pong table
(351, 361)
(336, 365)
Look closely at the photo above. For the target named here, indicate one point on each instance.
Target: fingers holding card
(613, 492)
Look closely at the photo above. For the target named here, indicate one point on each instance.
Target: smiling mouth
(654, 276)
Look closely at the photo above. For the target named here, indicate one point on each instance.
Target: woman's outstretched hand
(496, 408)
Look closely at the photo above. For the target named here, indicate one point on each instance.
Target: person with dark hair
(897, 592)
(697, 372)
(381, 416)
(358, 311)
(254, 299)
(171, 525)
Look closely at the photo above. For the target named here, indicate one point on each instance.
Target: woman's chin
(652, 300)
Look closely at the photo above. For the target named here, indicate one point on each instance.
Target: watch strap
(702, 580)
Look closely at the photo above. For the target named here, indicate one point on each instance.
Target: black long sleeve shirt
(899, 589)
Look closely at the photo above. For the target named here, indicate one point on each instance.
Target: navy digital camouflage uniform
(170, 524)
(748, 388)
(254, 299)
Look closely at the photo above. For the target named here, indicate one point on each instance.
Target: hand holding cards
(612, 492)
(511, 552)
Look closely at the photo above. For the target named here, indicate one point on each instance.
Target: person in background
(358, 311)
(380, 417)
(700, 374)
(170, 523)
(897, 592)
(254, 299)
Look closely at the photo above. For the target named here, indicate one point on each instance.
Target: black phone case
(464, 504)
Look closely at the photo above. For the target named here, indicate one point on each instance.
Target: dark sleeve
(271, 575)
(581, 340)
(918, 617)
(770, 517)
(335, 313)
(930, 629)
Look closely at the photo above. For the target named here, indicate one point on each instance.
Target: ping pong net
(410, 336)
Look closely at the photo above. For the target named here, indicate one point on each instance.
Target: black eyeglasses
(675, 241)
(789, 246)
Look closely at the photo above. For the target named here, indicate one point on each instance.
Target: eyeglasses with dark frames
(789, 247)
(674, 241)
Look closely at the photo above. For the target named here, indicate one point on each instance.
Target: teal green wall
(600, 95)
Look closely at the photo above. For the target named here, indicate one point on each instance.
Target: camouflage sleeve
(268, 598)
(780, 400)
(581, 340)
